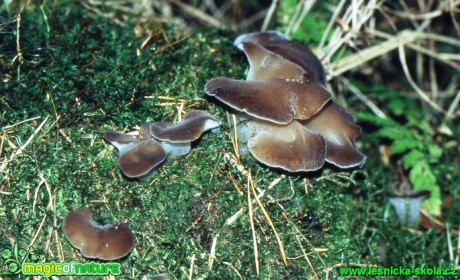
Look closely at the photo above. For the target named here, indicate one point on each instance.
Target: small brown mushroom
(189, 129)
(139, 161)
(265, 65)
(297, 53)
(176, 138)
(123, 142)
(95, 241)
(277, 88)
(407, 206)
(277, 101)
(327, 136)
(138, 156)
(336, 125)
(291, 147)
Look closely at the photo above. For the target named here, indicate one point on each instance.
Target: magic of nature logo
(31, 262)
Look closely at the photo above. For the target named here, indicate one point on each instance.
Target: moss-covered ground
(72, 75)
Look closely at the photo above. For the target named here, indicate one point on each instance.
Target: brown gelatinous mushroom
(290, 147)
(139, 161)
(336, 125)
(176, 138)
(297, 53)
(95, 241)
(189, 129)
(277, 101)
(136, 157)
(290, 121)
(123, 142)
(265, 65)
(333, 125)
(277, 88)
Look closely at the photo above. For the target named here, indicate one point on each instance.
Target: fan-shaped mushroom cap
(105, 242)
(139, 161)
(297, 53)
(295, 124)
(408, 206)
(189, 129)
(291, 147)
(265, 65)
(277, 101)
(136, 158)
(123, 142)
(301, 55)
(335, 124)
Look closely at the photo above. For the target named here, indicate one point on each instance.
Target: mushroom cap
(294, 52)
(299, 54)
(265, 65)
(291, 147)
(105, 242)
(335, 124)
(189, 129)
(407, 207)
(123, 142)
(140, 160)
(277, 101)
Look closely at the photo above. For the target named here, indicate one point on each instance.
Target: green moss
(88, 75)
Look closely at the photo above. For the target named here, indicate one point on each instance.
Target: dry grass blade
(316, 276)
(267, 217)
(352, 21)
(331, 22)
(269, 15)
(38, 230)
(232, 267)
(191, 10)
(212, 253)
(417, 89)
(24, 146)
(457, 258)
(450, 112)
(234, 136)
(251, 220)
(1, 147)
(355, 60)
(364, 99)
(192, 265)
(450, 249)
(301, 10)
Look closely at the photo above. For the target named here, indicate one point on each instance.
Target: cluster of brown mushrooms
(287, 120)
(287, 117)
(139, 155)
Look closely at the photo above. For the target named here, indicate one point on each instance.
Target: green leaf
(400, 146)
(15, 251)
(412, 158)
(310, 30)
(435, 152)
(375, 120)
(422, 178)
